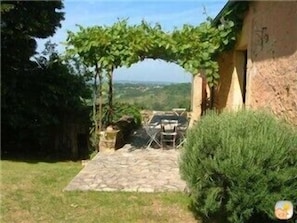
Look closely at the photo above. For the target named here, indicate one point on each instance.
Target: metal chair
(182, 130)
(152, 131)
(168, 132)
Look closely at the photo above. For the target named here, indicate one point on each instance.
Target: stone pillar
(196, 99)
(108, 139)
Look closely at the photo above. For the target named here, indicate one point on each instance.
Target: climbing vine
(195, 48)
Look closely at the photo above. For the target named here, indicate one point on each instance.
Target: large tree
(21, 23)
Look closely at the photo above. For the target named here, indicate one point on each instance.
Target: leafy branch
(195, 48)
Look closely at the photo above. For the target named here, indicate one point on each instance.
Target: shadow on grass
(33, 156)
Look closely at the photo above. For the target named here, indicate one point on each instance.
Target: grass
(33, 192)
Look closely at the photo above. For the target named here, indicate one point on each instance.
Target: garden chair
(168, 132)
(181, 136)
(152, 130)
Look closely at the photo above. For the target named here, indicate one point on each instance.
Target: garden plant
(102, 49)
(238, 165)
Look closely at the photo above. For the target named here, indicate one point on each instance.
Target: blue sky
(168, 13)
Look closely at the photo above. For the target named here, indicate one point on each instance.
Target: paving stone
(107, 189)
(130, 189)
(131, 169)
(147, 190)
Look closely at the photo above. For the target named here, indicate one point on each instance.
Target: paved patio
(131, 169)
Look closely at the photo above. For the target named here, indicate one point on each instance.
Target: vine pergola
(102, 49)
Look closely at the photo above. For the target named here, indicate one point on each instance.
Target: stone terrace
(131, 169)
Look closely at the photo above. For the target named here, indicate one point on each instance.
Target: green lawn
(32, 192)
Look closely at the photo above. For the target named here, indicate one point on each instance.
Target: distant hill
(143, 82)
(154, 95)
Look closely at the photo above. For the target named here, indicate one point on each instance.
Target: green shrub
(238, 165)
(120, 110)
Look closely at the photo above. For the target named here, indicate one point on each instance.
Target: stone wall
(272, 65)
(269, 36)
(196, 98)
(224, 91)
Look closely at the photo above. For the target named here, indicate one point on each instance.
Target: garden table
(153, 128)
(179, 111)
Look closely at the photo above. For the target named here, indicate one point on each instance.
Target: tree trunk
(94, 104)
(100, 101)
(212, 97)
(110, 97)
(73, 141)
(100, 97)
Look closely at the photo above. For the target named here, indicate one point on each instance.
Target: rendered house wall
(272, 67)
(267, 78)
